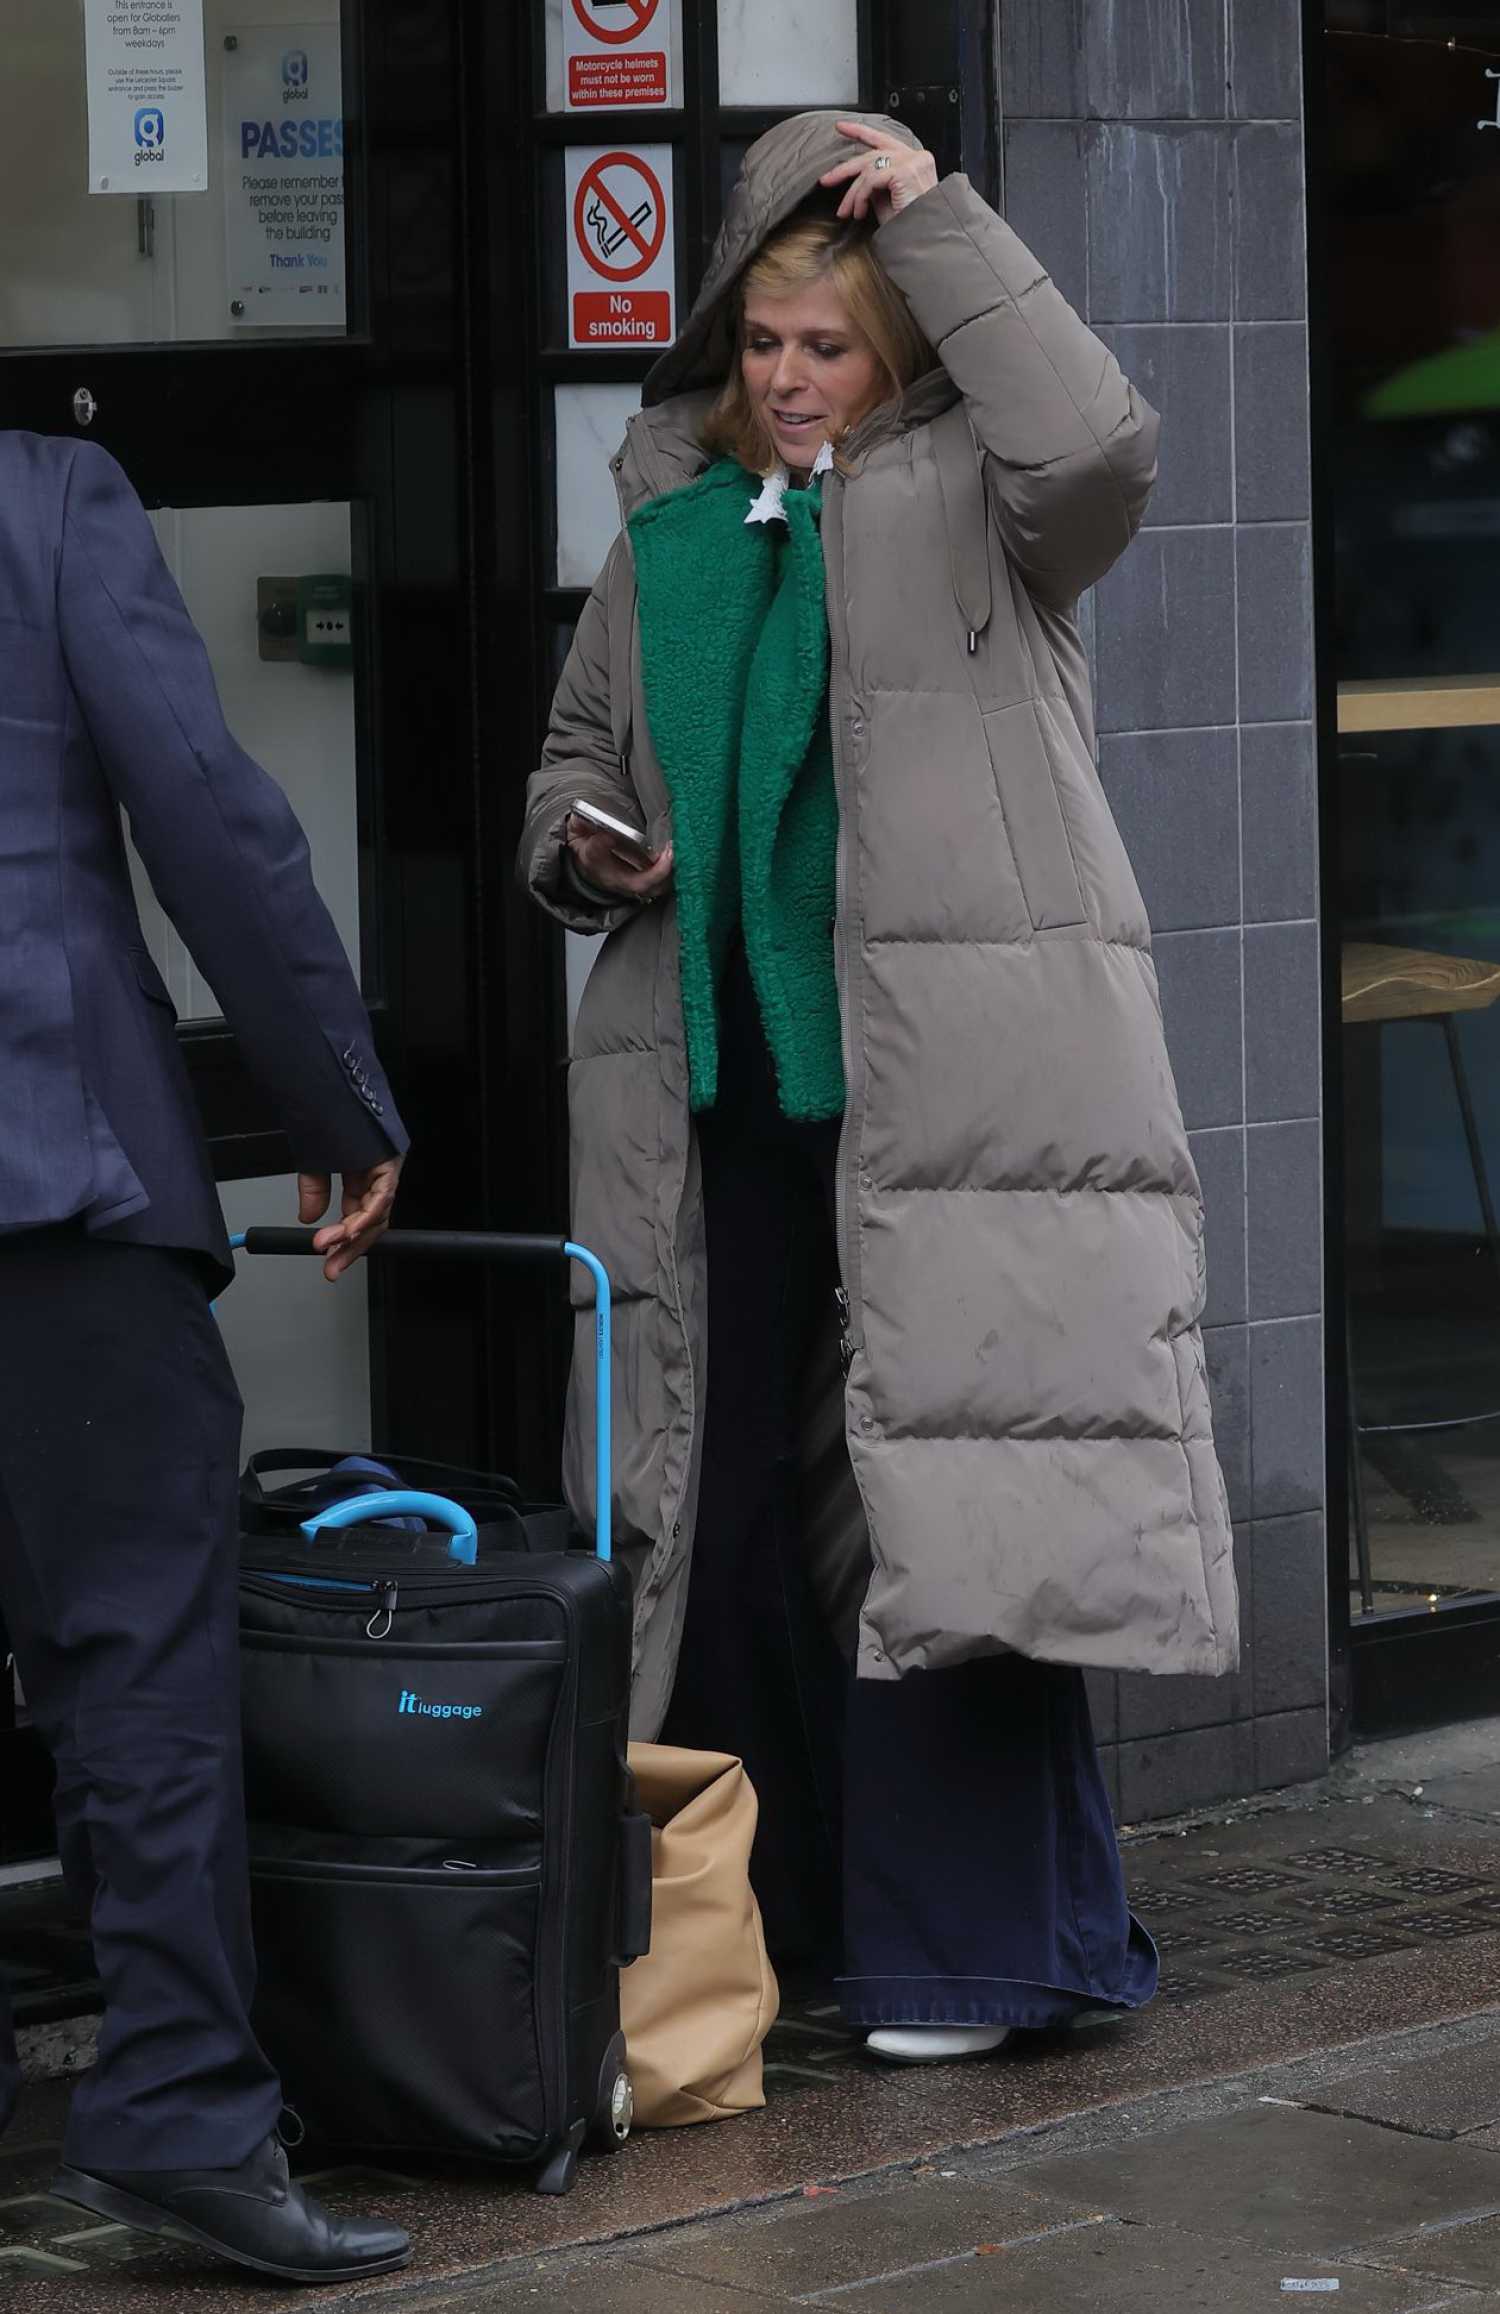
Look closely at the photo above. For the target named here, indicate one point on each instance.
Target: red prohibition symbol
(639, 13)
(619, 228)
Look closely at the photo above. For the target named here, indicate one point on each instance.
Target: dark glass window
(1413, 290)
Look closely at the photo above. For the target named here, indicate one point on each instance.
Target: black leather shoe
(254, 2215)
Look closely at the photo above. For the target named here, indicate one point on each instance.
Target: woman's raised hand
(888, 174)
(599, 863)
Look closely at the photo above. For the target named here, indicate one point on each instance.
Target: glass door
(1412, 293)
(241, 259)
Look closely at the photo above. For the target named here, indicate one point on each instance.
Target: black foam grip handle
(434, 1244)
(633, 1932)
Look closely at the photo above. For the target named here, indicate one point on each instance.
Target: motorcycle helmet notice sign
(147, 96)
(616, 52)
(621, 259)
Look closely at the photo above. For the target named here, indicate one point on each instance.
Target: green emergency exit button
(325, 621)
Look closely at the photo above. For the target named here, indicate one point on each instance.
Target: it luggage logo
(412, 1706)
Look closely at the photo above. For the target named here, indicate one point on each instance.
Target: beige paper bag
(697, 2007)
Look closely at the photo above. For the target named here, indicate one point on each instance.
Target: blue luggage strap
(473, 1245)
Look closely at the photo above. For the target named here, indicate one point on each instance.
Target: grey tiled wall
(1153, 159)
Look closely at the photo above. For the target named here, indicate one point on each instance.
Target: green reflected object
(1462, 381)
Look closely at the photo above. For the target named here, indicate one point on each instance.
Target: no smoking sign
(621, 273)
(615, 53)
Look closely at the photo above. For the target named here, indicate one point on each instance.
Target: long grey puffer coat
(1020, 1226)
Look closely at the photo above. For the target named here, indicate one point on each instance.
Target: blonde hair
(814, 249)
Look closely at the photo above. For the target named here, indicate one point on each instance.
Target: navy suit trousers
(942, 1843)
(119, 1449)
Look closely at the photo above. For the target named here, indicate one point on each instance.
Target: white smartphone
(634, 839)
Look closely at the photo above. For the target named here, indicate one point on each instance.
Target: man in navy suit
(119, 1418)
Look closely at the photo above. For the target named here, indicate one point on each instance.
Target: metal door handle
(85, 408)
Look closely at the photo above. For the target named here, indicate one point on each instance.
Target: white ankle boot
(935, 2044)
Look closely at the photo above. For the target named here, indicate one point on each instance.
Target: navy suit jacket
(107, 703)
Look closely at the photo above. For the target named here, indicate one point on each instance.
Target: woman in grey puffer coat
(975, 1198)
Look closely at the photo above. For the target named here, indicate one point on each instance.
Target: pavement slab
(1452, 2100)
(1282, 2178)
(595, 2290)
(1122, 2269)
(1463, 2252)
(1475, 1792)
(808, 2247)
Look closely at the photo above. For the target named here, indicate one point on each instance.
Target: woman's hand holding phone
(611, 864)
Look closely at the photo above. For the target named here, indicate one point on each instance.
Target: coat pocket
(1027, 789)
(150, 982)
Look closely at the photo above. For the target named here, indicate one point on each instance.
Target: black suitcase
(447, 1863)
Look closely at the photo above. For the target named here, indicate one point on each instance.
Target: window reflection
(261, 250)
(1415, 329)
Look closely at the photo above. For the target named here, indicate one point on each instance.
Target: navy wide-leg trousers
(943, 1843)
(119, 1446)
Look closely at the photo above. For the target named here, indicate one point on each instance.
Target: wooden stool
(1380, 985)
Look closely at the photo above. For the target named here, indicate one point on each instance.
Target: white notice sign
(284, 177)
(147, 96)
(616, 52)
(622, 268)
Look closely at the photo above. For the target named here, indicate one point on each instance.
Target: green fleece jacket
(734, 661)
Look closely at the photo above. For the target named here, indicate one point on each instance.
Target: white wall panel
(590, 424)
(793, 52)
(298, 722)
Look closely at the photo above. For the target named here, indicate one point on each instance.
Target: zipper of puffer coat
(839, 709)
(840, 706)
(638, 437)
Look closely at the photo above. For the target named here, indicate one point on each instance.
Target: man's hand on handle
(365, 1214)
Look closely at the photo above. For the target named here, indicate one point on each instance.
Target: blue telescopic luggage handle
(472, 1245)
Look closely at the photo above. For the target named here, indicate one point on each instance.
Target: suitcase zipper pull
(380, 1622)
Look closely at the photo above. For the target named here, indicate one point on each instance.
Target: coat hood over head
(780, 172)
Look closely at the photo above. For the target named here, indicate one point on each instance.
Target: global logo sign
(295, 76)
(150, 134)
